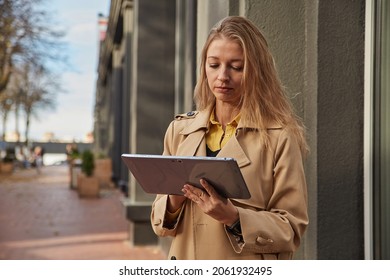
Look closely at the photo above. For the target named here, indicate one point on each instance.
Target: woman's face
(224, 69)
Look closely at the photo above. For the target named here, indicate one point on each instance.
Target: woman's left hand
(217, 207)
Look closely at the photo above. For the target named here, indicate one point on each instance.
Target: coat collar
(201, 121)
(195, 144)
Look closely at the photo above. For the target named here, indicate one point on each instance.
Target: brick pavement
(41, 218)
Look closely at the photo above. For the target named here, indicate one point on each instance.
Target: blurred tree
(11, 101)
(6, 103)
(35, 89)
(28, 36)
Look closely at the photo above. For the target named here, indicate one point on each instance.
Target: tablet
(158, 174)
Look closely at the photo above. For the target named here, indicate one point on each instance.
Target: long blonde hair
(263, 98)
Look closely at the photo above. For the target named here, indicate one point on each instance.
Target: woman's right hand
(175, 202)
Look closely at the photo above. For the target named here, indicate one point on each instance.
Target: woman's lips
(223, 89)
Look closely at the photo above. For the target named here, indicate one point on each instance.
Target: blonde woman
(242, 112)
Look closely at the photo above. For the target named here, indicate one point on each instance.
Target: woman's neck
(225, 113)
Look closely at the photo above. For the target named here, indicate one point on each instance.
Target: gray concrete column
(152, 98)
(284, 25)
(116, 110)
(340, 229)
(186, 60)
(319, 51)
(126, 50)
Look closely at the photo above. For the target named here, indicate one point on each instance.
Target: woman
(242, 112)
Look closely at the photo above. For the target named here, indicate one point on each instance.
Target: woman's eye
(213, 65)
(237, 68)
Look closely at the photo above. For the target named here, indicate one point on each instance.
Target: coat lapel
(193, 145)
(233, 149)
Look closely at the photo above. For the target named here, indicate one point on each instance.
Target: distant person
(72, 153)
(24, 159)
(69, 151)
(242, 112)
(38, 158)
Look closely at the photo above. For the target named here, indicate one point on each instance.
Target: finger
(193, 190)
(192, 193)
(209, 189)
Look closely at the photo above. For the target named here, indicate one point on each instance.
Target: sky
(73, 117)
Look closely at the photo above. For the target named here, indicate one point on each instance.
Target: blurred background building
(332, 56)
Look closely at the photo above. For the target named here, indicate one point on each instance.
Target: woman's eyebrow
(231, 60)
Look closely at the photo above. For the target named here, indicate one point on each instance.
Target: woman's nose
(223, 75)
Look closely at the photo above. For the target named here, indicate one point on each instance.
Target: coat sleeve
(278, 228)
(159, 206)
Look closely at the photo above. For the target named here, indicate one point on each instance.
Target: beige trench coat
(273, 220)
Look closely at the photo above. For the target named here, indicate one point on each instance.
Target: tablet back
(158, 174)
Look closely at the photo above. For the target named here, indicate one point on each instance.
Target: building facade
(333, 58)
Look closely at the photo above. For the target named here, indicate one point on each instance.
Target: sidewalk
(41, 218)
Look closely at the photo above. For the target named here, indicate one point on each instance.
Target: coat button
(264, 241)
(190, 114)
(157, 222)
